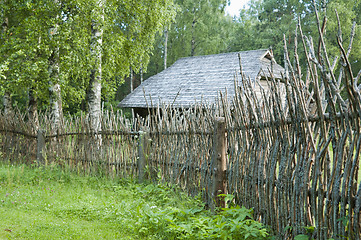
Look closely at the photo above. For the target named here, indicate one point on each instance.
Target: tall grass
(53, 203)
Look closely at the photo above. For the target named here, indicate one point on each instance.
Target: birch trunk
(8, 109)
(56, 106)
(131, 80)
(193, 41)
(95, 86)
(131, 86)
(141, 74)
(55, 90)
(54, 86)
(165, 47)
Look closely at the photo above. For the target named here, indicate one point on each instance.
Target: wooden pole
(142, 153)
(40, 147)
(219, 163)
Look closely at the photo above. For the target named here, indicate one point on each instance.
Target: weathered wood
(219, 163)
(143, 155)
(40, 147)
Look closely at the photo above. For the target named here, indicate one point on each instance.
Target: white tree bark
(165, 47)
(55, 90)
(131, 80)
(54, 86)
(8, 109)
(193, 41)
(56, 106)
(95, 86)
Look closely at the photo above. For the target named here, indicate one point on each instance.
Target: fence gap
(219, 164)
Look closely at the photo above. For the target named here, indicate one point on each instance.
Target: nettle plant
(230, 223)
(194, 222)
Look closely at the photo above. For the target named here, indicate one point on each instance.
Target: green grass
(38, 203)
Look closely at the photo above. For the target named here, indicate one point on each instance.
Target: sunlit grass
(51, 203)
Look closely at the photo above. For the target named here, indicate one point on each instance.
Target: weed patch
(51, 203)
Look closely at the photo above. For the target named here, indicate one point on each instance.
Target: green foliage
(53, 203)
(264, 23)
(306, 237)
(200, 28)
(36, 28)
(302, 237)
(230, 223)
(133, 36)
(348, 11)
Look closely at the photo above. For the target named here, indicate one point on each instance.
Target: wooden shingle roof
(199, 79)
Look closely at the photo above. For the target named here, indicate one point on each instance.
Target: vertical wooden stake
(219, 163)
(40, 147)
(142, 153)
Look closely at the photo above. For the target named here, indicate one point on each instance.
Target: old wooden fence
(292, 155)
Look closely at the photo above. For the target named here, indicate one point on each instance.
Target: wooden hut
(199, 79)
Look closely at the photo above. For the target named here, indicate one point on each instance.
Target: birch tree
(57, 50)
(54, 81)
(165, 46)
(31, 52)
(95, 85)
(7, 95)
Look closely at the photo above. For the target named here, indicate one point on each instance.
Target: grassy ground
(56, 204)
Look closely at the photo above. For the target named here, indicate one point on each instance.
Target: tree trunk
(56, 106)
(193, 41)
(54, 86)
(131, 80)
(141, 74)
(131, 86)
(95, 86)
(55, 90)
(8, 109)
(165, 47)
(33, 110)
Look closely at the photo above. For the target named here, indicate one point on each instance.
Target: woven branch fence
(292, 155)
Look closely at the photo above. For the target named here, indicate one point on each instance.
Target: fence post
(40, 147)
(219, 163)
(142, 153)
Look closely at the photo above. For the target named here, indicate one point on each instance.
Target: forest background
(72, 56)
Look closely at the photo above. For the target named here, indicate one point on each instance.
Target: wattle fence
(292, 155)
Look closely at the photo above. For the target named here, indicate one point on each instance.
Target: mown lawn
(38, 203)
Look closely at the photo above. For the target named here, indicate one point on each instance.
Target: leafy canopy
(36, 28)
